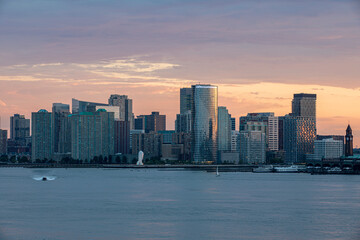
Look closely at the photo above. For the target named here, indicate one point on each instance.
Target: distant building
(140, 122)
(149, 143)
(299, 137)
(233, 124)
(328, 149)
(3, 142)
(183, 122)
(122, 137)
(83, 106)
(42, 140)
(252, 147)
(269, 126)
(19, 129)
(224, 129)
(185, 100)
(61, 128)
(92, 135)
(235, 141)
(349, 142)
(204, 123)
(113, 109)
(155, 122)
(132, 132)
(125, 105)
(304, 105)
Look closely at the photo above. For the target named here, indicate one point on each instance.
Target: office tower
(92, 135)
(132, 132)
(269, 127)
(233, 124)
(224, 129)
(140, 122)
(204, 121)
(273, 133)
(122, 137)
(155, 122)
(235, 141)
(149, 143)
(125, 105)
(299, 136)
(3, 142)
(349, 142)
(41, 128)
(185, 100)
(19, 129)
(300, 128)
(183, 122)
(61, 128)
(328, 149)
(281, 133)
(83, 106)
(252, 146)
(304, 105)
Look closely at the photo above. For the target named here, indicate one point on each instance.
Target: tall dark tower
(349, 142)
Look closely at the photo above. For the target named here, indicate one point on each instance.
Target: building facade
(19, 129)
(122, 137)
(299, 137)
(328, 149)
(3, 142)
(252, 147)
(84, 106)
(304, 105)
(92, 135)
(204, 123)
(224, 129)
(42, 138)
(61, 128)
(185, 100)
(125, 105)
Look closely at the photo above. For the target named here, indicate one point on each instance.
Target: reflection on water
(151, 204)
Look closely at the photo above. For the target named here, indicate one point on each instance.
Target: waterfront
(155, 204)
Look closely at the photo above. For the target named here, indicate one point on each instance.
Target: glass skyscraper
(41, 129)
(204, 130)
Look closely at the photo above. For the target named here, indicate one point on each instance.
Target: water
(151, 204)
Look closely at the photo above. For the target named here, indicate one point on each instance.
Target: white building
(273, 133)
(328, 149)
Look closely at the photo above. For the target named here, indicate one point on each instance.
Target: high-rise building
(224, 129)
(233, 124)
(204, 121)
(300, 128)
(349, 142)
(269, 126)
(61, 128)
(185, 100)
(83, 106)
(281, 132)
(183, 122)
(92, 135)
(19, 129)
(3, 142)
(155, 122)
(299, 136)
(41, 128)
(328, 149)
(252, 146)
(140, 122)
(235, 141)
(125, 105)
(304, 105)
(122, 137)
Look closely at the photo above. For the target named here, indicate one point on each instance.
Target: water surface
(151, 204)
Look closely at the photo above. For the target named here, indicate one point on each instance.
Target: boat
(334, 170)
(291, 169)
(263, 169)
(217, 172)
(44, 179)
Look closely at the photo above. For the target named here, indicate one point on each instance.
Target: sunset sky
(259, 53)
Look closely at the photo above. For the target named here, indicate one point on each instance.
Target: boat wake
(44, 178)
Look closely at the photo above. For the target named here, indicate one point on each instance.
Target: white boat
(291, 169)
(217, 172)
(263, 169)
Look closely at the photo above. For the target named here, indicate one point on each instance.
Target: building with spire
(349, 142)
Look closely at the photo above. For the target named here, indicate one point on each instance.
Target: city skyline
(257, 53)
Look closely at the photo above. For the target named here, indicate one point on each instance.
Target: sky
(258, 52)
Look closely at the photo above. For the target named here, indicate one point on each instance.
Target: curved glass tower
(204, 114)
